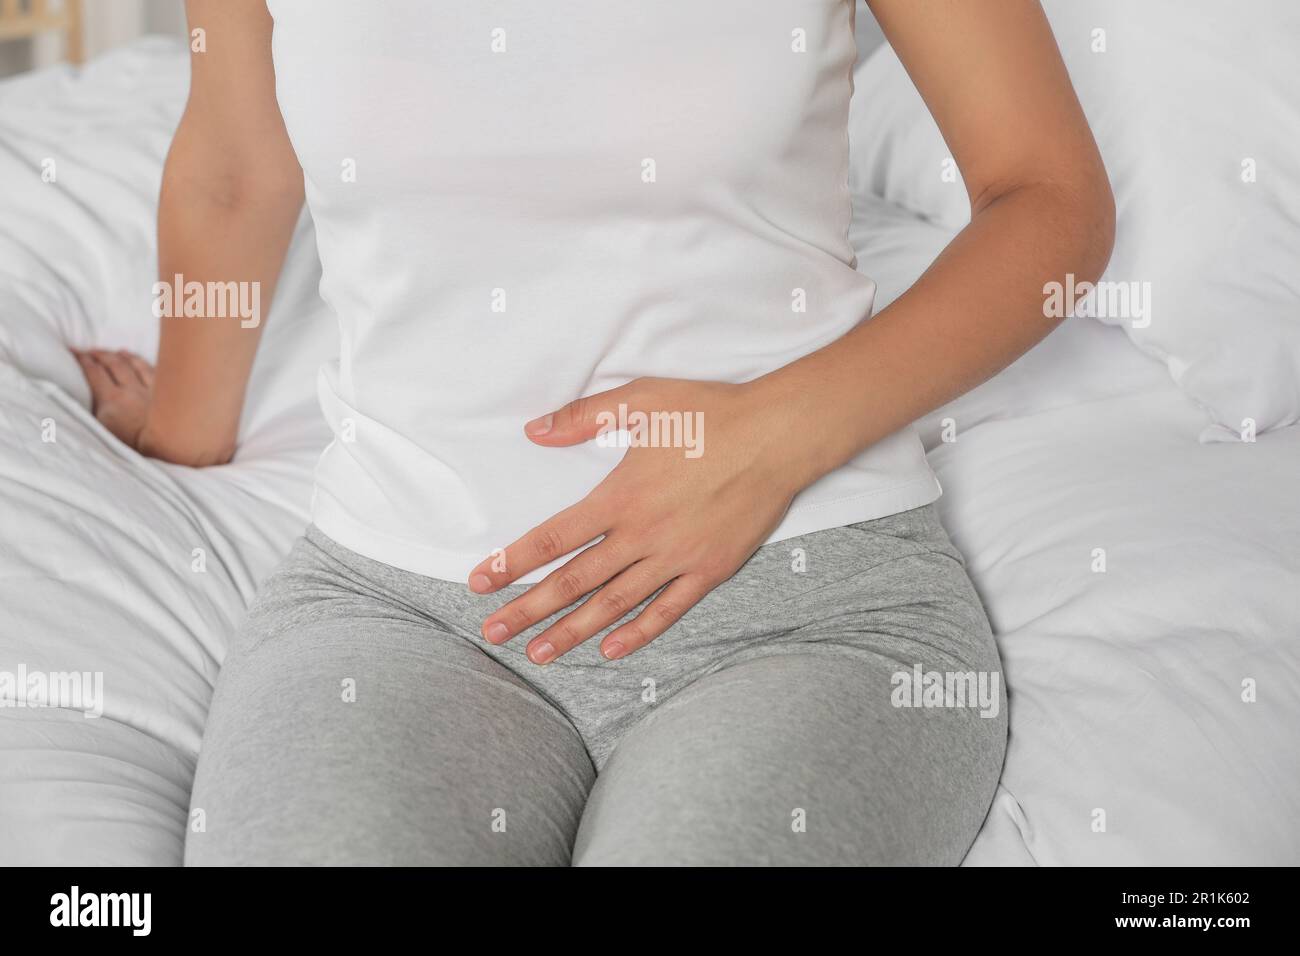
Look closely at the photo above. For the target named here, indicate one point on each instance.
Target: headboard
(20, 19)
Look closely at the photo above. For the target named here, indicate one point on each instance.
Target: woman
(737, 635)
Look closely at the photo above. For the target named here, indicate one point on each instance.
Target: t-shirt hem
(332, 520)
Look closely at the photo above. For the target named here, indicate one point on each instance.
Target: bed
(1142, 584)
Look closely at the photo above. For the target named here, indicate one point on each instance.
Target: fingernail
(496, 633)
(613, 650)
(539, 426)
(541, 652)
(480, 583)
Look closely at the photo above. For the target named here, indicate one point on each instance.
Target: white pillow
(1196, 107)
(1081, 361)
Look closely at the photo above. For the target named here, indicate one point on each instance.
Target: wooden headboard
(20, 19)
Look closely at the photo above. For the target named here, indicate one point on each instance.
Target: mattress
(1142, 586)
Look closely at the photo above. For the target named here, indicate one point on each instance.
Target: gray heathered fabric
(360, 719)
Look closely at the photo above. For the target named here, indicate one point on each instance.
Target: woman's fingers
(660, 614)
(554, 538)
(120, 369)
(142, 369)
(584, 418)
(598, 612)
(97, 376)
(118, 366)
(564, 586)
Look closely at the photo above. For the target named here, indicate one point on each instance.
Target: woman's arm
(231, 193)
(1041, 208)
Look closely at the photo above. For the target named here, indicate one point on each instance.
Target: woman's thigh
(867, 726)
(787, 760)
(345, 729)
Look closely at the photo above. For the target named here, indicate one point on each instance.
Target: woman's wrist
(158, 440)
(798, 439)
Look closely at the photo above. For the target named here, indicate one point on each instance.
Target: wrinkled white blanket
(1130, 738)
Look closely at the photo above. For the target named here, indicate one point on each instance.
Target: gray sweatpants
(838, 701)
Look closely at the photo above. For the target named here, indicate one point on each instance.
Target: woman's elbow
(1081, 211)
(1097, 218)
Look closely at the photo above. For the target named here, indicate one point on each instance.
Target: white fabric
(1184, 98)
(1128, 680)
(1082, 361)
(1124, 686)
(98, 562)
(516, 175)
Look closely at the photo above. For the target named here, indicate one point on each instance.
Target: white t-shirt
(521, 203)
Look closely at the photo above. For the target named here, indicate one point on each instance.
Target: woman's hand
(121, 386)
(695, 495)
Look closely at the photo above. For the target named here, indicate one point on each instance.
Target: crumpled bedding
(1130, 739)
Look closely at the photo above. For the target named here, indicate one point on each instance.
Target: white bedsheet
(97, 545)
(1125, 686)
